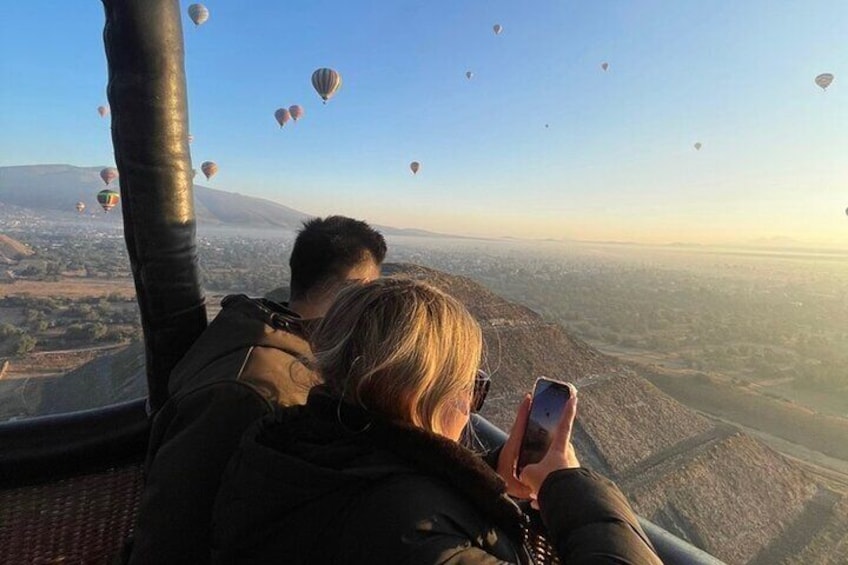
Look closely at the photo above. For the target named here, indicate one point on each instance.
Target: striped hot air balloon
(296, 112)
(282, 116)
(108, 199)
(326, 82)
(108, 174)
(209, 169)
(103, 111)
(198, 14)
(824, 80)
(414, 166)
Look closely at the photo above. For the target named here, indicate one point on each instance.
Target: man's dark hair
(326, 249)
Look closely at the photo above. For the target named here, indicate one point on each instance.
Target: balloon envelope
(108, 174)
(209, 169)
(824, 80)
(103, 111)
(108, 199)
(414, 166)
(468, 74)
(198, 14)
(497, 28)
(605, 66)
(282, 116)
(80, 207)
(190, 138)
(296, 112)
(326, 82)
(698, 146)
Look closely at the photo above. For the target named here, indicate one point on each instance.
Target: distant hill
(12, 250)
(60, 187)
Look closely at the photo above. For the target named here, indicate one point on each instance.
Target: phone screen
(546, 409)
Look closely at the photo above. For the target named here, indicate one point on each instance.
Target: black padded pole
(147, 95)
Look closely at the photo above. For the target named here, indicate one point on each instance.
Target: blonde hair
(399, 348)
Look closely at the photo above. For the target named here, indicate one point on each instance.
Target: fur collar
(435, 455)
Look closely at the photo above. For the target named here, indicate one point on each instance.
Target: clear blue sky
(615, 162)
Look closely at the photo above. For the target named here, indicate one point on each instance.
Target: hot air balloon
(103, 111)
(605, 65)
(546, 125)
(190, 138)
(296, 112)
(209, 169)
(80, 207)
(824, 80)
(109, 174)
(282, 116)
(198, 14)
(108, 199)
(326, 82)
(468, 75)
(497, 28)
(414, 166)
(697, 145)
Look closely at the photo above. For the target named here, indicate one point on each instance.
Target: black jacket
(247, 361)
(306, 488)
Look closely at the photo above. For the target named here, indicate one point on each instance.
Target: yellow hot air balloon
(282, 116)
(414, 166)
(103, 111)
(497, 28)
(198, 14)
(296, 112)
(824, 80)
(209, 168)
(326, 82)
(108, 199)
(108, 174)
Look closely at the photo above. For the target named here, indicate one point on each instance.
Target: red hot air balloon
(108, 174)
(282, 116)
(296, 112)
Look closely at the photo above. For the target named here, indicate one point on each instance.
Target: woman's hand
(509, 453)
(560, 454)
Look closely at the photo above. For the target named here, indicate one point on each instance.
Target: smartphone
(546, 410)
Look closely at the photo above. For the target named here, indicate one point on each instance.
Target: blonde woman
(371, 469)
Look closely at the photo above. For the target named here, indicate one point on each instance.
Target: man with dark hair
(254, 356)
(327, 252)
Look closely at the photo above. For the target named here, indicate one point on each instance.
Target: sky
(615, 162)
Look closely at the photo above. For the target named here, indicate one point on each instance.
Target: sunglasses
(482, 384)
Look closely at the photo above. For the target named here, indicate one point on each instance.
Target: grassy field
(739, 404)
